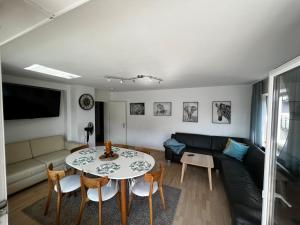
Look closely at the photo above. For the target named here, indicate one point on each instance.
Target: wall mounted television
(29, 102)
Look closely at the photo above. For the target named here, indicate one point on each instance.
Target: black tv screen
(28, 102)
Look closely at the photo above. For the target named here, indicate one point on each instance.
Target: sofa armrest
(74, 146)
(168, 153)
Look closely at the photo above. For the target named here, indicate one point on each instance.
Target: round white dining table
(129, 164)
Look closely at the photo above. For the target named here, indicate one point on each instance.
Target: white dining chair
(96, 190)
(61, 184)
(152, 182)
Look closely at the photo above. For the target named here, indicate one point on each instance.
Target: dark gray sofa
(243, 181)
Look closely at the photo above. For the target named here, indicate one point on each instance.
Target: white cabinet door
(117, 122)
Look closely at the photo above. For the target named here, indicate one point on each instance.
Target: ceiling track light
(133, 79)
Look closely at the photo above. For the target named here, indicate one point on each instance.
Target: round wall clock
(86, 101)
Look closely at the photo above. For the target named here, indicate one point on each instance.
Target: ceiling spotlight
(133, 79)
(149, 79)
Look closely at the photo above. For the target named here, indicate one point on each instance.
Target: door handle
(279, 196)
(3, 207)
(123, 125)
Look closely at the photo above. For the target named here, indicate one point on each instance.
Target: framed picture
(221, 112)
(137, 108)
(190, 112)
(162, 108)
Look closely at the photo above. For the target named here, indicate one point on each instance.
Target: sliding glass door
(282, 166)
(3, 192)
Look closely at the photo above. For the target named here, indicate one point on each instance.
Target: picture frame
(190, 112)
(137, 109)
(221, 112)
(162, 108)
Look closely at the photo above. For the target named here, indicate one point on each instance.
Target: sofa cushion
(56, 158)
(23, 169)
(18, 151)
(238, 182)
(236, 150)
(194, 140)
(243, 215)
(41, 146)
(218, 143)
(254, 161)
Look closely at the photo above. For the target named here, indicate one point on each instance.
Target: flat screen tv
(28, 102)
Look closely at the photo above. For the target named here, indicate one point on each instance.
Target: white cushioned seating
(16, 152)
(45, 145)
(27, 161)
(108, 191)
(23, 169)
(142, 188)
(56, 158)
(69, 183)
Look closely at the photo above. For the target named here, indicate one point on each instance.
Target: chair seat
(108, 191)
(69, 183)
(142, 188)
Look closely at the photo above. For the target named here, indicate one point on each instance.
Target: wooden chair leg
(100, 213)
(150, 207)
(129, 203)
(58, 207)
(82, 205)
(48, 202)
(119, 199)
(161, 193)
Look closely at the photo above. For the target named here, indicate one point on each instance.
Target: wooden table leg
(182, 171)
(123, 202)
(209, 178)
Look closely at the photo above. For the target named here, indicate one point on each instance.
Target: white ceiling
(20, 16)
(186, 43)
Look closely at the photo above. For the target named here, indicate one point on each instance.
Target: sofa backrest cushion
(254, 162)
(218, 143)
(18, 151)
(194, 140)
(41, 146)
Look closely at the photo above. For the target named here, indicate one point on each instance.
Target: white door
(117, 122)
(3, 192)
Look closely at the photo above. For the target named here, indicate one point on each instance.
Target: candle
(108, 148)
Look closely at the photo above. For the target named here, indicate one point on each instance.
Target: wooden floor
(197, 205)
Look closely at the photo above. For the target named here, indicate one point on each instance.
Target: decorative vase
(108, 148)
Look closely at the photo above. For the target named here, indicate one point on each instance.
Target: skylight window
(49, 71)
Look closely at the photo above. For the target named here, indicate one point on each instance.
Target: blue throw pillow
(174, 145)
(236, 150)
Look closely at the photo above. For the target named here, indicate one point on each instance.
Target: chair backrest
(54, 177)
(156, 176)
(87, 182)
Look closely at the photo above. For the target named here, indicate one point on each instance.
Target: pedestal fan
(89, 131)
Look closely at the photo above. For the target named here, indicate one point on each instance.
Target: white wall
(102, 96)
(152, 131)
(70, 122)
(79, 116)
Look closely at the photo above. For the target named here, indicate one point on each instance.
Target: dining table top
(129, 163)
